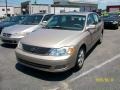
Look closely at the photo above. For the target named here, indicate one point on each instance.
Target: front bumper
(45, 63)
(10, 40)
(109, 24)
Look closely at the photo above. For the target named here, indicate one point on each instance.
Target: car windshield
(47, 17)
(32, 20)
(104, 17)
(111, 16)
(13, 19)
(67, 22)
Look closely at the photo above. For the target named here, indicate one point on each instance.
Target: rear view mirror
(90, 27)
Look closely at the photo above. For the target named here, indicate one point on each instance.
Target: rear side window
(32, 20)
(95, 16)
(90, 20)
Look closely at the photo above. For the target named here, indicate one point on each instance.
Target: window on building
(8, 9)
(42, 11)
(3, 9)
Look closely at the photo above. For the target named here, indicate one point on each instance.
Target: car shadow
(47, 75)
(13, 46)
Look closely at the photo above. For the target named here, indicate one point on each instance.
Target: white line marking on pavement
(62, 86)
(87, 72)
(94, 68)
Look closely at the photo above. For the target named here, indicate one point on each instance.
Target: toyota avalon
(62, 43)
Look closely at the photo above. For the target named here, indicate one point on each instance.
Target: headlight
(20, 34)
(61, 51)
(19, 46)
(115, 22)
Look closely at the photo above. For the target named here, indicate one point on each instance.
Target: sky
(101, 3)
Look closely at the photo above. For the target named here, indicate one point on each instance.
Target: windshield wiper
(56, 27)
(61, 27)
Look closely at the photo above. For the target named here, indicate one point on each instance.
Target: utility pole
(35, 2)
(6, 7)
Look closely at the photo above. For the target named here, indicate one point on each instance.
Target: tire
(101, 38)
(116, 26)
(0, 30)
(80, 58)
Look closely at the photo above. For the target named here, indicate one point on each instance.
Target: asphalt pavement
(101, 70)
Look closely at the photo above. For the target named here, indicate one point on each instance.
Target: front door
(93, 32)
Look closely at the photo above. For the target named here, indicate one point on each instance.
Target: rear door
(99, 25)
(91, 21)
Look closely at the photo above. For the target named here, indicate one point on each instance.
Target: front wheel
(80, 58)
(116, 26)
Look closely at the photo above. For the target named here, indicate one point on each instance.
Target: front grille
(35, 49)
(34, 64)
(9, 41)
(7, 35)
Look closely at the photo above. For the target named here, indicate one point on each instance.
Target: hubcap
(81, 57)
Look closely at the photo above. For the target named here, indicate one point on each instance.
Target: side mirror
(44, 23)
(91, 27)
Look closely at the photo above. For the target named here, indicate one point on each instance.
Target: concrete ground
(101, 70)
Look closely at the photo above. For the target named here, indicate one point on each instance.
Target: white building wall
(39, 8)
(64, 9)
(85, 5)
(74, 9)
(58, 9)
(77, 1)
(87, 8)
(17, 10)
(3, 11)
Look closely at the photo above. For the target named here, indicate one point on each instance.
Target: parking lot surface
(101, 70)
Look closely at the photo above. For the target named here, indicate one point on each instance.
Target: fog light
(60, 66)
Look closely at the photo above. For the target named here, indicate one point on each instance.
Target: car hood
(6, 24)
(110, 19)
(20, 28)
(51, 38)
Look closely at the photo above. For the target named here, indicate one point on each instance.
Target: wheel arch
(84, 47)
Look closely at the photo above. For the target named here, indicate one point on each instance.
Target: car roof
(42, 14)
(76, 13)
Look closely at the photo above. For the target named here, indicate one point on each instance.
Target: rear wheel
(101, 38)
(0, 30)
(80, 58)
(116, 26)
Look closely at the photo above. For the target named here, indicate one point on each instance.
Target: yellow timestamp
(104, 80)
